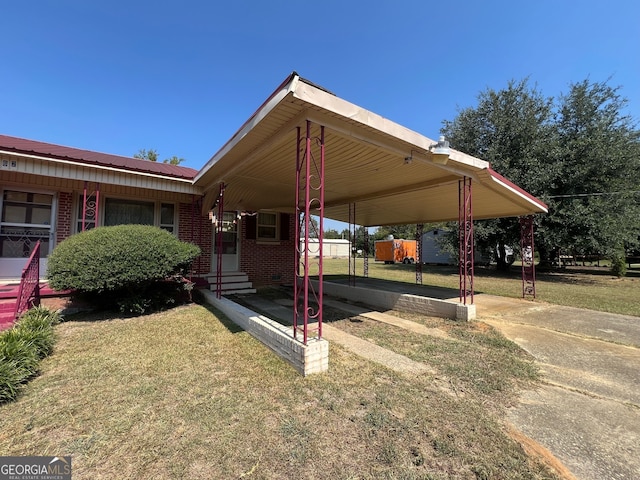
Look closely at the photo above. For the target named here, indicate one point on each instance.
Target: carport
(308, 152)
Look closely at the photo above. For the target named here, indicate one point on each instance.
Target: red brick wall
(268, 264)
(64, 217)
(195, 228)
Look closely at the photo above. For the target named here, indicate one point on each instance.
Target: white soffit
(364, 164)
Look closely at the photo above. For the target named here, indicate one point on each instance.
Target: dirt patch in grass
(186, 394)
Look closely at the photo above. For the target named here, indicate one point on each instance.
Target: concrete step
(232, 286)
(239, 292)
(229, 277)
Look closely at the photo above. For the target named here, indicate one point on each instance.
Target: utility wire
(574, 195)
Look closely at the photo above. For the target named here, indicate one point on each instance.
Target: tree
(576, 153)
(595, 198)
(510, 128)
(331, 233)
(152, 156)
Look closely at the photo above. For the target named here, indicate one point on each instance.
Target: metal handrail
(29, 289)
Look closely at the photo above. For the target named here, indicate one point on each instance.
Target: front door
(26, 218)
(230, 254)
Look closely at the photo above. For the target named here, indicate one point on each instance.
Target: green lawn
(590, 288)
(185, 394)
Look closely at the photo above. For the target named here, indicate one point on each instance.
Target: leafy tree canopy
(578, 153)
(152, 156)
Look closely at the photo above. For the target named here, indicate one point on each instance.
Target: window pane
(42, 199)
(267, 219)
(15, 196)
(14, 213)
(166, 214)
(126, 212)
(41, 215)
(267, 232)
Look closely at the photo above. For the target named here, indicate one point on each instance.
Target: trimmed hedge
(22, 347)
(130, 268)
(119, 257)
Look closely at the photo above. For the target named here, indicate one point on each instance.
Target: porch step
(232, 283)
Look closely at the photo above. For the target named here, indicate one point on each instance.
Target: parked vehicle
(395, 250)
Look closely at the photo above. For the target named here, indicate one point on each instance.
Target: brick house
(304, 152)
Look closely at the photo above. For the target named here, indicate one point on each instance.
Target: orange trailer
(397, 250)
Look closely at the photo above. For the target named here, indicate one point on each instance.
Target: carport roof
(365, 164)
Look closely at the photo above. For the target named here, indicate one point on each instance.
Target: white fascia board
(324, 100)
(520, 193)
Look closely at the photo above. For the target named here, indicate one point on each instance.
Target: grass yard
(594, 288)
(185, 394)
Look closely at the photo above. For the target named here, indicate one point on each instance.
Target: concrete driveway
(587, 412)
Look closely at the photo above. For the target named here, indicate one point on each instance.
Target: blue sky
(182, 76)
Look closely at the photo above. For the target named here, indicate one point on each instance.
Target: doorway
(230, 247)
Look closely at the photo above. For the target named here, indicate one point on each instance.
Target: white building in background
(431, 251)
(331, 248)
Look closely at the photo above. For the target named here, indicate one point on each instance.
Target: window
(119, 211)
(126, 212)
(26, 218)
(167, 216)
(267, 226)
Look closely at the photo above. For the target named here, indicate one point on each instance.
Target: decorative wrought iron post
(365, 253)
(352, 235)
(465, 232)
(419, 230)
(90, 207)
(219, 227)
(527, 254)
(309, 198)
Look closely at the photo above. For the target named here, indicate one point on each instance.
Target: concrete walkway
(587, 413)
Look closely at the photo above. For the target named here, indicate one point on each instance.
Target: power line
(575, 195)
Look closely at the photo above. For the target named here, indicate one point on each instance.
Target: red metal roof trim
(512, 185)
(87, 157)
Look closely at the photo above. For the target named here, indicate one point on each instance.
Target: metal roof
(87, 157)
(366, 164)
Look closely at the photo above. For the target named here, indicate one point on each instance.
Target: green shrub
(119, 257)
(131, 268)
(22, 347)
(35, 327)
(618, 263)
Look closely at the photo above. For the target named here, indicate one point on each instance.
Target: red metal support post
(219, 232)
(309, 200)
(465, 235)
(365, 253)
(527, 254)
(352, 235)
(90, 207)
(419, 230)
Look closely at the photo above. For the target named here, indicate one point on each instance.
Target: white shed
(331, 247)
(431, 251)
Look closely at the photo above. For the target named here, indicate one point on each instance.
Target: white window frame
(54, 213)
(157, 211)
(276, 226)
